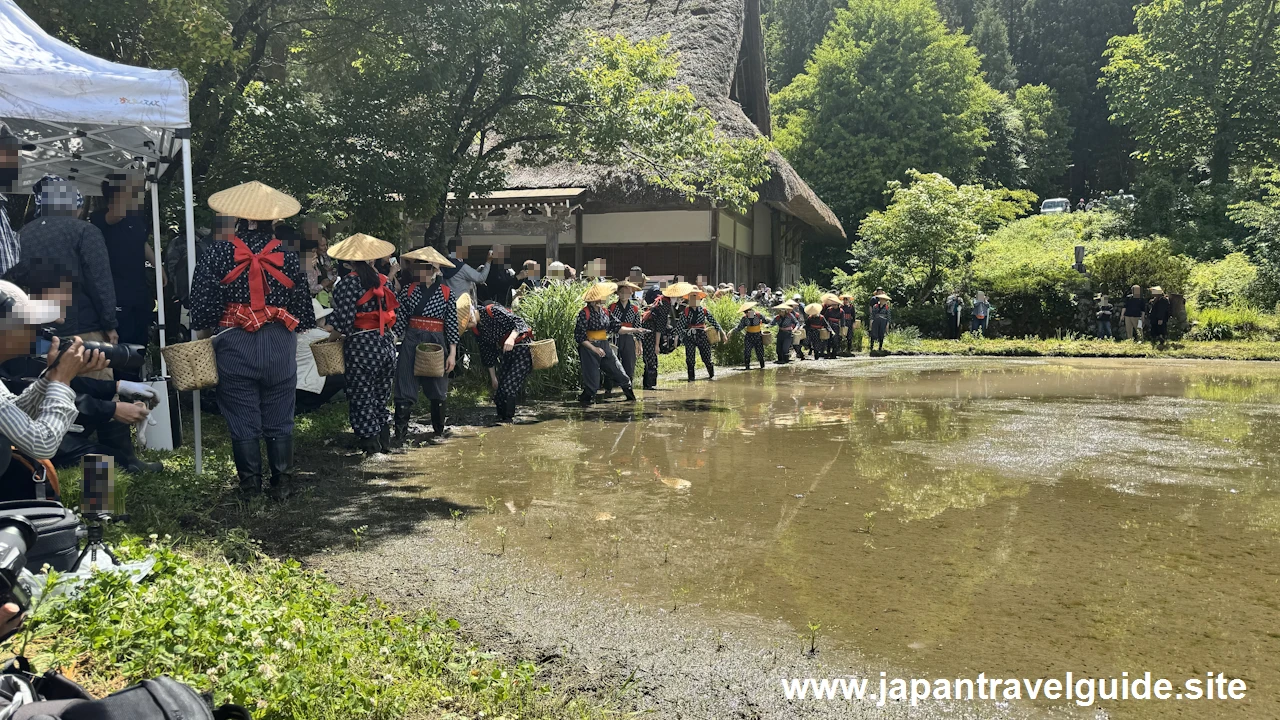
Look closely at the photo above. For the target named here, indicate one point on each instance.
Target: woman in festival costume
(832, 311)
(657, 320)
(504, 339)
(785, 321)
(798, 339)
(691, 322)
(595, 352)
(256, 296)
(626, 315)
(814, 324)
(880, 315)
(428, 314)
(364, 312)
(849, 312)
(752, 324)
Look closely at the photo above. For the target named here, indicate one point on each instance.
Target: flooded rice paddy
(940, 517)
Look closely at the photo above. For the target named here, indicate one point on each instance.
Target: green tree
(792, 29)
(1261, 215)
(1200, 80)
(888, 89)
(1045, 138)
(929, 232)
(1004, 162)
(991, 38)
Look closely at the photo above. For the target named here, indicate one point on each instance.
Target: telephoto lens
(17, 536)
(124, 356)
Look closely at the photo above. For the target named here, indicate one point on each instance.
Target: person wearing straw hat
(1158, 313)
(255, 295)
(657, 320)
(814, 324)
(591, 333)
(848, 313)
(881, 313)
(797, 324)
(835, 318)
(626, 314)
(364, 311)
(504, 339)
(692, 320)
(785, 320)
(428, 314)
(752, 326)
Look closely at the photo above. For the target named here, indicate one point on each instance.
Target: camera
(17, 536)
(125, 356)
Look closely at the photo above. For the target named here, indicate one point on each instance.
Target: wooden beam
(713, 270)
(579, 258)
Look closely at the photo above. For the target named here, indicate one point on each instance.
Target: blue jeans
(1104, 328)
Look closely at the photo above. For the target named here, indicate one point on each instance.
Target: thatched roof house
(575, 213)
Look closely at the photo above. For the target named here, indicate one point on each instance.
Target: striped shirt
(10, 248)
(35, 421)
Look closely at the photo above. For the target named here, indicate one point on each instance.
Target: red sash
(258, 265)
(386, 313)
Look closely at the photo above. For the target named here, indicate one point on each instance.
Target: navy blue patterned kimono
(752, 327)
(495, 324)
(627, 315)
(593, 326)
(691, 323)
(427, 314)
(368, 350)
(656, 319)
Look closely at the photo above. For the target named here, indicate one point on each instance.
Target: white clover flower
(267, 672)
(154, 536)
(298, 626)
(262, 704)
(257, 642)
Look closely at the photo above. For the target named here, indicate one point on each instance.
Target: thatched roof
(707, 34)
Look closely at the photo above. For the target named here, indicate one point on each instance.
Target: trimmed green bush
(1221, 282)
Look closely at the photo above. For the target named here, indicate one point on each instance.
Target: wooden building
(575, 213)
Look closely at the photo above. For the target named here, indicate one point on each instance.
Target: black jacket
(79, 246)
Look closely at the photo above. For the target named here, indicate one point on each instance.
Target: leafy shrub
(928, 320)
(858, 338)
(902, 338)
(1223, 282)
(279, 640)
(1229, 323)
(552, 311)
(1139, 262)
(1264, 291)
(807, 289)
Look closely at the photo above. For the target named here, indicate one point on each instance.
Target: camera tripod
(95, 542)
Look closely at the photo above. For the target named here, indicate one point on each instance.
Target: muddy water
(1019, 518)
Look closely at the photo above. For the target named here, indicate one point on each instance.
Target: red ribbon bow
(259, 265)
(387, 304)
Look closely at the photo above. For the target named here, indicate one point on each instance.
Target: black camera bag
(58, 532)
(159, 699)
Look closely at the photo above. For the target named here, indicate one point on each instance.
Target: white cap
(23, 309)
(319, 310)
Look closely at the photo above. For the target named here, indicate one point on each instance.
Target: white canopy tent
(82, 117)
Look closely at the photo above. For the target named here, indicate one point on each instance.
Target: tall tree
(792, 29)
(1045, 137)
(991, 37)
(889, 88)
(1200, 80)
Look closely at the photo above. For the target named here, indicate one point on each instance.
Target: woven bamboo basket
(328, 354)
(824, 334)
(713, 335)
(192, 365)
(544, 354)
(428, 360)
(844, 331)
(768, 336)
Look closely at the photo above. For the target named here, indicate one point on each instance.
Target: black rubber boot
(437, 419)
(511, 410)
(629, 392)
(403, 411)
(711, 372)
(116, 436)
(585, 398)
(384, 439)
(280, 459)
(369, 445)
(690, 373)
(248, 458)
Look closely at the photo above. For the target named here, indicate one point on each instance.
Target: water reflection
(1014, 517)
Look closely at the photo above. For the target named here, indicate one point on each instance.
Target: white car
(1053, 206)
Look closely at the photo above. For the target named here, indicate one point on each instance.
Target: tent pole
(190, 218)
(155, 233)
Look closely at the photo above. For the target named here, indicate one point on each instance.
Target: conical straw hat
(361, 247)
(629, 284)
(464, 312)
(599, 291)
(254, 201)
(747, 306)
(428, 254)
(830, 299)
(781, 308)
(812, 309)
(678, 290)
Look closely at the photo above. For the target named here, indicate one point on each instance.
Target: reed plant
(552, 311)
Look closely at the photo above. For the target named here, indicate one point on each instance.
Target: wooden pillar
(713, 270)
(579, 253)
(553, 246)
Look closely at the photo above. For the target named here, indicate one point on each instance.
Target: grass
(220, 615)
(1089, 347)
